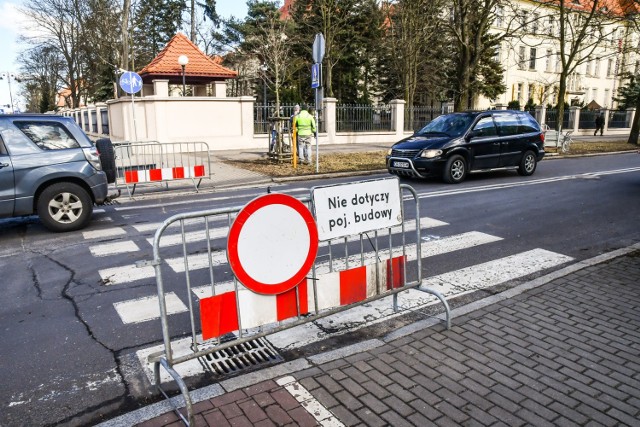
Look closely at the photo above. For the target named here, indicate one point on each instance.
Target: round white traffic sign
(272, 244)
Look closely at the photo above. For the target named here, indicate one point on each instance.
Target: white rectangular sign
(348, 209)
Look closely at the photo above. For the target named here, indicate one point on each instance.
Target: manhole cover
(241, 356)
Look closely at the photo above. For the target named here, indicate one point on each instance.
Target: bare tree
(57, 24)
(273, 50)
(414, 27)
(126, 10)
(582, 30)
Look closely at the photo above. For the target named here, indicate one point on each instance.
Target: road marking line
(308, 402)
(113, 248)
(147, 308)
(129, 273)
(107, 232)
(496, 272)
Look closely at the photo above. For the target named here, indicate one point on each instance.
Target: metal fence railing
(551, 118)
(588, 119)
(262, 114)
(416, 117)
(86, 121)
(363, 118)
(104, 116)
(94, 121)
(618, 119)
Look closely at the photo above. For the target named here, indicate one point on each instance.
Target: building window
(499, 16)
(519, 93)
(551, 24)
(532, 59)
(596, 72)
(609, 67)
(521, 57)
(607, 97)
(547, 65)
(594, 94)
(535, 23)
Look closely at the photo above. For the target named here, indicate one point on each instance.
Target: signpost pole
(131, 83)
(316, 82)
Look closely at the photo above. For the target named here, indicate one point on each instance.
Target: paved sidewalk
(560, 350)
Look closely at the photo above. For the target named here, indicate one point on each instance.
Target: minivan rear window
(507, 124)
(47, 135)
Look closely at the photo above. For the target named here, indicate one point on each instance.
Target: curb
(290, 367)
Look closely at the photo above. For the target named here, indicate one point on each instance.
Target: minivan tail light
(93, 157)
(542, 137)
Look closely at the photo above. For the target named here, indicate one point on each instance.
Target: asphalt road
(69, 358)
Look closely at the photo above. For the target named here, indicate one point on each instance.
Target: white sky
(12, 24)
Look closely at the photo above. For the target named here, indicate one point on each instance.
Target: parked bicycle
(566, 142)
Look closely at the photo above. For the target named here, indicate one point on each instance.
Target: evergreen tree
(629, 94)
(155, 23)
(343, 24)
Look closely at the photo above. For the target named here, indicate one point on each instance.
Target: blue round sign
(131, 82)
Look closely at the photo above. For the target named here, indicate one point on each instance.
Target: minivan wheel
(528, 164)
(64, 206)
(455, 170)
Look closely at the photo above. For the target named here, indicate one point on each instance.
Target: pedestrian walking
(305, 126)
(599, 124)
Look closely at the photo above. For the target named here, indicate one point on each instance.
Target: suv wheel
(455, 170)
(64, 206)
(107, 158)
(528, 164)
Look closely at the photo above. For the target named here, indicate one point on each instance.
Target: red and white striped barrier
(219, 313)
(164, 174)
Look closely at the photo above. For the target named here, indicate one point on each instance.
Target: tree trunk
(193, 21)
(561, 93)
(124, 61)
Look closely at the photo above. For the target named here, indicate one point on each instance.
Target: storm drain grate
(242, 356)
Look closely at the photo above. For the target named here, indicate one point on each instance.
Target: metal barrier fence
(140, 163)
(363, 118)
(347, 272)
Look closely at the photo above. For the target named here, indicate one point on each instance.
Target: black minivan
(454, 144)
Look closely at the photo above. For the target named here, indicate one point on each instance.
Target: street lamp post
(183, 60)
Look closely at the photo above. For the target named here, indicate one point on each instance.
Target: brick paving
(566, 353)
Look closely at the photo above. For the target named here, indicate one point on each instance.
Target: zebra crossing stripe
(100, 234)
(495, 272)
(129, 273)
(113, 248)
(147, 308)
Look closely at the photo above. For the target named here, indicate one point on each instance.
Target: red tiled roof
(285, 10)
(200, 69)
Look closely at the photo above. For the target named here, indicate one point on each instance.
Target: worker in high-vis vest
(305, 126)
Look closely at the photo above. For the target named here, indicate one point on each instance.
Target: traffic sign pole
(131, 83)
(318, 55)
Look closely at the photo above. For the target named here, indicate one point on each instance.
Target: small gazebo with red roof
(200, 71)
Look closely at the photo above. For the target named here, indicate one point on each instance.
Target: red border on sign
(234, 234)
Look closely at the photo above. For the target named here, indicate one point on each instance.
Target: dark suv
(48, 166)
(454, 144)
